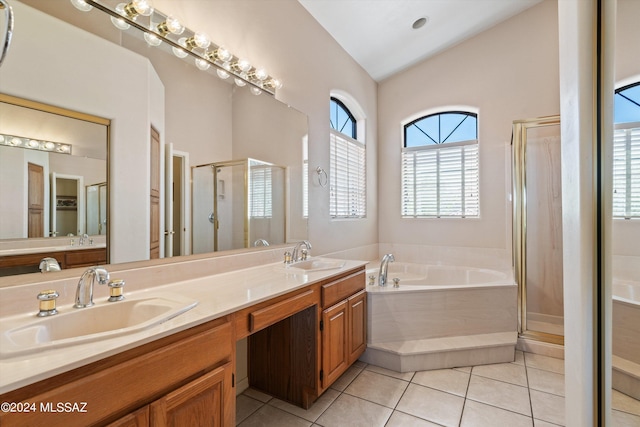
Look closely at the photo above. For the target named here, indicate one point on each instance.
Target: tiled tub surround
(221, 285)
(440, 316)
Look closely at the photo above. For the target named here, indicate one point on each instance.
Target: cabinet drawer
(85, 257)
(273, 313)
(341, 289)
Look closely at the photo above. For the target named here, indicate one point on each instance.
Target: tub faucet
(294, 256)
(84, 292)
(384, 265)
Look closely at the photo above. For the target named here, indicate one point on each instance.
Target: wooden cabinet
(183, 379)
(28, 263)
(343, 326)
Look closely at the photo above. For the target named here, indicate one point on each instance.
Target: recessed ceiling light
(419, 23)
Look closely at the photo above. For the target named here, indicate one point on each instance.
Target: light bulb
(254, 90)
(15, 141)
(220, 54)
(120, 23)
(171, 25)
(202, 64)
(273, 84)
(200, 40)
(49, 145)
(81, 5)
(1, 139)
(240, 82)
(152, 39)
(241, 65)
(179, 52)
(261, 74)
(33, 143)
(222, 74)
(138, 7)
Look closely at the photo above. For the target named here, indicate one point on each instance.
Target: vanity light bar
(158, 27)
(34, 144)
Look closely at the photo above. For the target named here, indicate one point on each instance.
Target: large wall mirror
(167, 118)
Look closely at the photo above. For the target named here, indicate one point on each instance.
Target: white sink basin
(75, 326)
(316, 264)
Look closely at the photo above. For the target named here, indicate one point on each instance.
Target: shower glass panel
(236, 204)
(538, 227)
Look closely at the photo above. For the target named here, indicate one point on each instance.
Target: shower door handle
(212, 218)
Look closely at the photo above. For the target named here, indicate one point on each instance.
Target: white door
(169, 231)
(67, 207)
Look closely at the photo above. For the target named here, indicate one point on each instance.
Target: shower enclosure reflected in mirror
(537, 232)
(237, 204)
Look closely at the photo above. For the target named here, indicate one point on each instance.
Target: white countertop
(217, 296)
(44, 249)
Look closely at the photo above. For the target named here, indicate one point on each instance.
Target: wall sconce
(34, 144)
(184, 42)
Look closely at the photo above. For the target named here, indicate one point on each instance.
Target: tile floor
(527, 392)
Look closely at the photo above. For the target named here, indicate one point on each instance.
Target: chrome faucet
(49, 264)
(84, 292)
(294, 256)
(260, 242)
(384, 265)
(82, 239)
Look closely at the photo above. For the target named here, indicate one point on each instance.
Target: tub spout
(384, 265)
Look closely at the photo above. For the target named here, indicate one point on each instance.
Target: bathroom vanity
(305, 328)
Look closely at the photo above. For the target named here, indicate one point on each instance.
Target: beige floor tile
(546, 381)
(497, 393)
(312, 413)
(449, 380)
(466, 369)
(399, 375)
(351, 411)
(377, 388)
(258, 395)
(341, 383)
(400, 419)
(432, 405)
(547, 407)
(268, 416)
(623, 419)
(245, 406)
(519, 359)
(476, 414)
(507, 372)
(545, 363)
(624, 403)
(540, 423)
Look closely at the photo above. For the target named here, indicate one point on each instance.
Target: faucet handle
(396, 282)
(116, 290)
(47, 303)
(372, 280)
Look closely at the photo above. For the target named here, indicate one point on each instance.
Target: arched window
(440, 171)
(626, 152)
(347, 158)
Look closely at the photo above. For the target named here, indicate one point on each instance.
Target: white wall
(100, 85)
(508, 72)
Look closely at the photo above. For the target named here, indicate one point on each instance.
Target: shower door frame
(519, 222)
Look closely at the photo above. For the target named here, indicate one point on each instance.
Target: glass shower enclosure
(237, 204)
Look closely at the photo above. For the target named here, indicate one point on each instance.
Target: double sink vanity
(166, 354)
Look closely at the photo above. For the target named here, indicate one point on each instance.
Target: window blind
(347, 177)
(441, 181)
(626, 172)
(261, 193)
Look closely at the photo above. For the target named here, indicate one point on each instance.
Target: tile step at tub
(626, 377)
(440, 353)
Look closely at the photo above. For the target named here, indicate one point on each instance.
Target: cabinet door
(139, 418)
(357, 341)
(207, 401)
(335, 356)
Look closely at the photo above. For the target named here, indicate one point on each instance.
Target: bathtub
(440, 317)
(626, 337)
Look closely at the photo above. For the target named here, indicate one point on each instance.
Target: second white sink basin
(102, 321)
(317, 264)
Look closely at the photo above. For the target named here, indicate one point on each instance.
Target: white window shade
(626, 171)
(347, 177)
(261, 205)
(441, 181)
